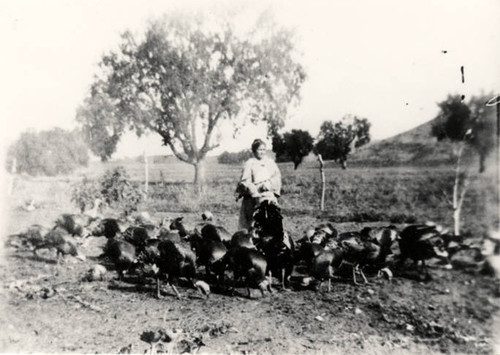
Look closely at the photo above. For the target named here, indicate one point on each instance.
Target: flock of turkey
(172, 251)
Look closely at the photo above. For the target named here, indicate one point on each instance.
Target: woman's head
(258, 148)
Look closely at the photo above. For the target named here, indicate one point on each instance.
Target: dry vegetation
(453, 313)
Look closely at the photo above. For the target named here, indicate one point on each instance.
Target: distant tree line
(470, 123)
(234, 158)
(335, 142)
(50, 153)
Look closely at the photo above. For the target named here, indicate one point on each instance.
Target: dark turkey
(29, 238)
(59, 240)
(249, 264)
(421, 242)
(277, 245)
(244, 238)
(74, 224)
(209, 253)
(324, 265)
(177, 260)
(122, 254)
(363, 251)
(107, 227)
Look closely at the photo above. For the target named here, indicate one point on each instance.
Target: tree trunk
(343, 164)
(199, 175)
(323, 183)
(459, 189)
(482, 166)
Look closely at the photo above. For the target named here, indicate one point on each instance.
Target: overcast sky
(390, 61)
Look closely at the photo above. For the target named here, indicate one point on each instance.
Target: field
(50, 309)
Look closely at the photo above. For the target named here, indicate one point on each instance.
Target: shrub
(84, 193)
(114, 188)
(118, 191)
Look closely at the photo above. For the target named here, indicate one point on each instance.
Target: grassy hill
(414, 147)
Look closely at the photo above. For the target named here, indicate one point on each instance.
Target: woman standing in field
(260, 180)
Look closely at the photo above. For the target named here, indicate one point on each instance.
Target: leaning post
(12, 177)
(495, 101)
(323, 183)
(146, 173)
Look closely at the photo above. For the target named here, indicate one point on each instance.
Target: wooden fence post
(495, 101)
(146, 173)
(12, 177)
(323, 182)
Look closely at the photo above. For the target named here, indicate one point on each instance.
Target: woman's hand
(265, 186)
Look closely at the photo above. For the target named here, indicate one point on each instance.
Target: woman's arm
(275, 179)
(246, 187)
(246, 174)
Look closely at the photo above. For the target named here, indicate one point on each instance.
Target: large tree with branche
(184, 77)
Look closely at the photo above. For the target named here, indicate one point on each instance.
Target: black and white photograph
(250, 177)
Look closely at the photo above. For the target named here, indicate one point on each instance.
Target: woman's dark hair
(256, 144)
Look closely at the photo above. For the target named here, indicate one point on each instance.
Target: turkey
(29, 238)
(206, 230)
(122, 254)
(172, 259)
(209, 253)
(148, 260)
(207, 216)
(167, 234)
(381, 235)
(75, 224)
(250, 264)
(276, 244)
(179, 226)
(421, 242)
(244, 238)
(107, 227)
(177, 260)
(323, 233)
(216, 233)
(324, 265)
(139, 235)
(306, 253)
(361, 250)
(58, 240)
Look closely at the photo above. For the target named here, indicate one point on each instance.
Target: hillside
(413, 147)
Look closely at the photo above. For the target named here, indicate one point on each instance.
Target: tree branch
(212, 122)
(445, 195)
(181, 156)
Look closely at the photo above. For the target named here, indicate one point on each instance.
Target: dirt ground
(48, 308)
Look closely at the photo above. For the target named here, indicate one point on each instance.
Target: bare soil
(49, 308)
